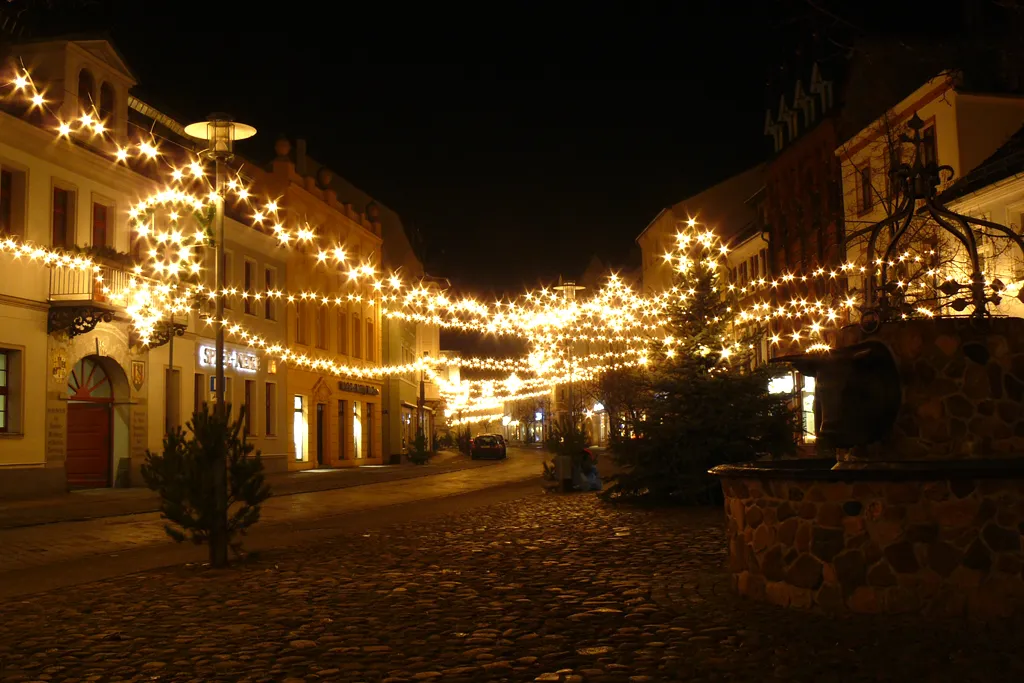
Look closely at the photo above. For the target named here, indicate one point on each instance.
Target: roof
(1005, 162)
(724, 206)
(99, 44)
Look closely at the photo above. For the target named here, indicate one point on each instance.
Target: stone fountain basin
(935, 538)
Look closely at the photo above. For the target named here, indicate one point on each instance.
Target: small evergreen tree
(419, 454)
(183, 475)
(701, 404)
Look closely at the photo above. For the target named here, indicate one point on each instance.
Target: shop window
(270, 409)
(299, 425)
(247, 402)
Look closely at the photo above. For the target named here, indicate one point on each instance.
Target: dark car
(488, 445)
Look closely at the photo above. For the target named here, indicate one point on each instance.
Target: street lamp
(221, 132)
(568, 290)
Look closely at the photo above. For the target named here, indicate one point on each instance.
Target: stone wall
(963, 389)
(947, 548)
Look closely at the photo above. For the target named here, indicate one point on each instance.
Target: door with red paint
(90, 398)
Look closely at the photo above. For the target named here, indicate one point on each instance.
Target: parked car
(488, 445)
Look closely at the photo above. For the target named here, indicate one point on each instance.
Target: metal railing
(69, 284)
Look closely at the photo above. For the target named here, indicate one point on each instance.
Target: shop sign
(239, 360)
(354, 388)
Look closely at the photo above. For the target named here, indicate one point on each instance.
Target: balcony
(77, 299)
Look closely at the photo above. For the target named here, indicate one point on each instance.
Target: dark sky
(518, 141)
(518, 138)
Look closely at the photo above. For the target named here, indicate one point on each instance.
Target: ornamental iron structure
(919, 182)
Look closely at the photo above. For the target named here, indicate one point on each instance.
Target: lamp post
(420, 422)
(221, 133)
(568, 290)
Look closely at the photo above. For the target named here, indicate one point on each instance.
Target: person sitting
(585, 478)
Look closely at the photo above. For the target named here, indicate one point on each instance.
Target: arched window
(107, 104)
(86, 90)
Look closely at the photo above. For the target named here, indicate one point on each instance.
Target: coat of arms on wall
(59, 366)
(138, 374)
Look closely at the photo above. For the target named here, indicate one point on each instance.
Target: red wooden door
(90, 397)
(88, 452)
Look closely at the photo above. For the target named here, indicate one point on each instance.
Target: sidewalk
(99, 503)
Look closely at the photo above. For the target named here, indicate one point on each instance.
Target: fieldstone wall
(963, 389)
(949, 548)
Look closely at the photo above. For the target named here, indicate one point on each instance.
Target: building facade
(335, 421)
(73, 382)
(960, 129)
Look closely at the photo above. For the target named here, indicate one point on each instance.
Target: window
(12, 201)
(10, 391)
(270, 409)
(342, 331)
(301, 323)
(299, 427)
(198, 392)
(4, 388)
(107, 104)
(321, 326)
(86, 91)
(356, 353)
(369, 341)
(249, 277)
(247, 402)
(100, 216)
(867, 197)
(63, 218)
(172, 395)
(268, 286)
(227, 279)
(342, 428)
(929, 150)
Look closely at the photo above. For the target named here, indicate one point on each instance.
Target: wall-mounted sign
(138, 374)
(354, 388)
(238, 360)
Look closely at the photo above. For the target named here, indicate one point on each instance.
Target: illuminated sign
(239, 360)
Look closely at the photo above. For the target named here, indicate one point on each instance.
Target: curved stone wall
(963, 389)
(948, 546)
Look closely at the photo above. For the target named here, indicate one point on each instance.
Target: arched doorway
(90, 423)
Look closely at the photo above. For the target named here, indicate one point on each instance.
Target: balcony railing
(83, 286)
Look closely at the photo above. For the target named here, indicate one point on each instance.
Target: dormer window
(86, 91)
(107, 100)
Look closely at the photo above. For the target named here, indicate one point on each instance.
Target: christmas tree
(702, 402)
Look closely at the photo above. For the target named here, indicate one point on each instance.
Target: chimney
(300, 157)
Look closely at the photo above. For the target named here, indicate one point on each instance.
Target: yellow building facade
(335, 421)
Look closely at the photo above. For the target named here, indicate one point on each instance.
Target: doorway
(90, 395)
(320, 408)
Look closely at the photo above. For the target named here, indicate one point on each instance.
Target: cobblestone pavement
(544, 588)
(34, 546)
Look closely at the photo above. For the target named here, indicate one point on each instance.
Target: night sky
(518, 142)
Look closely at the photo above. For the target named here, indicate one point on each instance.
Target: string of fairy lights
(567, 340)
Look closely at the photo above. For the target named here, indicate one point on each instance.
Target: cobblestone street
(545, 588)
